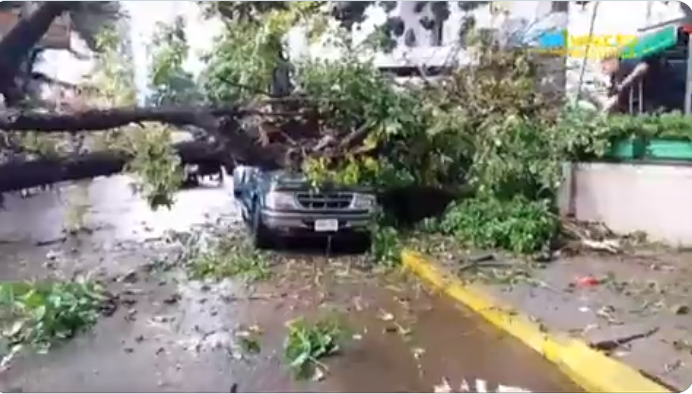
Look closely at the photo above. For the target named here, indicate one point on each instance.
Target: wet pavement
(174, 335)
(639, 310)
(633, 305)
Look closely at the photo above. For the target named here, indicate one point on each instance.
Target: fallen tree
(46, 171)
(487, 127)
(267, 144)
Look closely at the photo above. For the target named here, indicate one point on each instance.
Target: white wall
(534, 15)
(423, 53)
(628, 198)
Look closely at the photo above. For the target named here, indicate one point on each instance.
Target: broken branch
(45, 171)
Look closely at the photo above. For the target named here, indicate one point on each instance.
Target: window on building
(559, 6)
(437, 32)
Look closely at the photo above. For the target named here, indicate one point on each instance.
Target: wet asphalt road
(404, 339)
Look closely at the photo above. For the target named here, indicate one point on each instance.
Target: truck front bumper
(297, 222)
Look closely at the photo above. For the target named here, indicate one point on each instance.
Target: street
(173, 334)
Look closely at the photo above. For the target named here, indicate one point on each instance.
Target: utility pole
(688, 88)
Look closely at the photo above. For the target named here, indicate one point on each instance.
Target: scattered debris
(308, 343)
(593, 236)
(39, 314)
(612, 338)
(249, 340)
(386, 316)
(172, 299)
(680, 310)
(131, 277)
(671, 367)
(586, 281)
(607, 312)
(230, 257)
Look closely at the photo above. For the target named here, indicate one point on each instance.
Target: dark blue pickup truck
(282, 204)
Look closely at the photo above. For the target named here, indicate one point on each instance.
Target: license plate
(326, 225)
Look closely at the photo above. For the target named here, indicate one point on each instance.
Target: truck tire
(261, 237)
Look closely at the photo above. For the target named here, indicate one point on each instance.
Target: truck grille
(334, 200)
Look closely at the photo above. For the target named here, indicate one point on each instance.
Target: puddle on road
(176, 336)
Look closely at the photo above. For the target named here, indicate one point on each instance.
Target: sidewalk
(637, 311)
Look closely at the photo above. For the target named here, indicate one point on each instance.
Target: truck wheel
(261, 237)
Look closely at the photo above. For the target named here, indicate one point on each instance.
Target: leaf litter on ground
(249, 340)
(230, 257)
(41, 314)
(308, 343)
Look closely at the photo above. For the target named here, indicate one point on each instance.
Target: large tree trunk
(219, 122)
(106, 119)
(22, 175)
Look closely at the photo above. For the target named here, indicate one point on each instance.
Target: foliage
(156, 164)
(241, 66)
(308, 343)
(482, 126)
(230, 257)
(112, 81)
(41, 314)
(170, 82)
(243, 63)
(488, 125)
(674, 126)
(357, 96)
(518, 225)
(386, 246)
(353, 95)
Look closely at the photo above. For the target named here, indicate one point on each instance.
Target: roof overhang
(651, 42)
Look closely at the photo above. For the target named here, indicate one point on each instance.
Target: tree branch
(45, 171)
(219, 122)
(105, 119)
(24, 36)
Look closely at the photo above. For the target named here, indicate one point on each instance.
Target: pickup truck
(281, 203)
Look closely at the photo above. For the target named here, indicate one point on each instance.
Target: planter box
(627, 197)
(656, 149)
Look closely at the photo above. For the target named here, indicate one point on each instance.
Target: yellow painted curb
(592, 370)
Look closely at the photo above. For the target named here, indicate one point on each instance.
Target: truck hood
(296, 181)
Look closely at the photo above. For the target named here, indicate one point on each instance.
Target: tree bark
(105, 119)
(22, 175)
(220, 122)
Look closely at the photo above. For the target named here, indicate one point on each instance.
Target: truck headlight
(280, 200)
(364, 201)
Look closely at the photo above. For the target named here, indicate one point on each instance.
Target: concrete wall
(655, 199)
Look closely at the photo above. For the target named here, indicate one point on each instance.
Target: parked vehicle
(283, 204)
(207, 169)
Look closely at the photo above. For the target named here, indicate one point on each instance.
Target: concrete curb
(592, 370)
